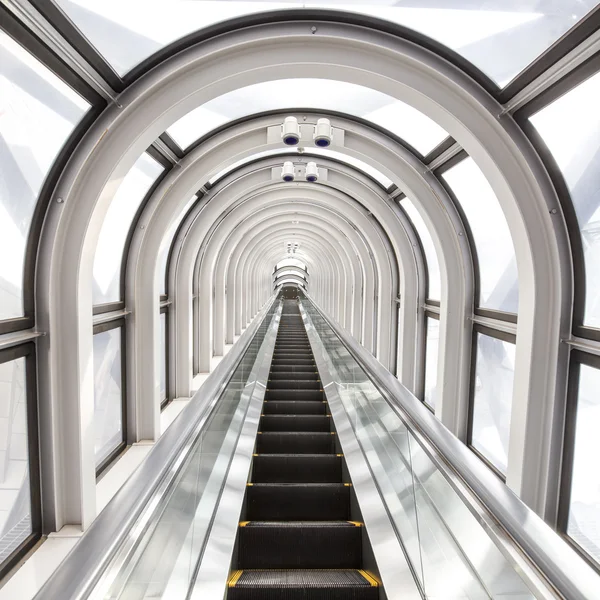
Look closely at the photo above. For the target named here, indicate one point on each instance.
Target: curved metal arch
(294, 271)
(281, 195)
(290, 278)
(454, 257)
(407, 248)
(247, 221)
(442, 91)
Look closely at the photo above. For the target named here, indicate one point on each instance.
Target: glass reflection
(434, 283)
(570, 126)
(584, 511)
(38, 113)
(492, 401)
(116, 225)
(15, 493)
(498, 277)
(500, 37)
(167, 243)
(108, 394)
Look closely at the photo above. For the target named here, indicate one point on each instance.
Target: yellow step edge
(357, 523)
(348, 484)
(369, 578)
(339, 455)
(244, 523)
(233, 579)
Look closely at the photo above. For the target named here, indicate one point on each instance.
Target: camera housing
(290, 131)
(287, 171)
(323, 133)
(312, 172)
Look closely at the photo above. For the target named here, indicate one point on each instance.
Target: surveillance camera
(290, 131)
(287, 172)
(312, 172)
(323, 133)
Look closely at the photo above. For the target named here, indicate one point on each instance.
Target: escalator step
(294, 395)
(313, 584)
(292, 368)
(297, 468)
(293, 407)
(320, 423)
(309, 545)
(294, 375)
(272, 442)
(298, 502)
(293, 384)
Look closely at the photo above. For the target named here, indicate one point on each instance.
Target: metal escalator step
(302, 584)
(294, 395)
(286, 362)
(294, 375)
(297, 468)
(320, 423)
(275, 442)
(298, 502)
(299, 545)
(293, 384)
(294, 407)
(293, 368)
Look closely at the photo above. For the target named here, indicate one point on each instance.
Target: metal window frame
(568, 83)
(117, 323)
(498, 335)
(577, 358)
(164, 310)
(28, 352)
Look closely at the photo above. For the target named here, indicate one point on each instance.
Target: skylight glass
(399, 118)
(500, 37)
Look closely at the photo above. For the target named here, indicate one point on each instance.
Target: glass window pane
(108, 393)
(115, 228)
(501, 37)
(584, 511)
(492, 402)
(499, 284)
(402, 120)
(15, 492)
(165, 246)
(570, 127)
(431, 361)
(431, 259)
(38, 113)
(163, 356)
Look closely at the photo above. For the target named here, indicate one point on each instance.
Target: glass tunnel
(299, 300)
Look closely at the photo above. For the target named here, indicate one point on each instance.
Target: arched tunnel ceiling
(386, 234)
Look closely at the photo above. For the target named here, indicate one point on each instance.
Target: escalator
(301, 534)
(265, 486)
